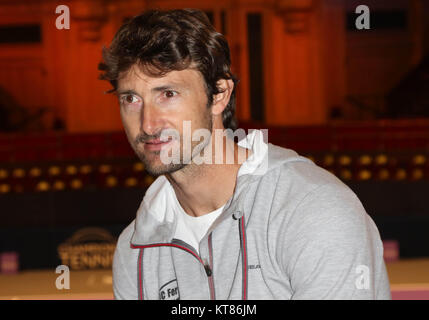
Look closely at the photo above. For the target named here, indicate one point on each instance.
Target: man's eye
(129, 98)
(169, 93)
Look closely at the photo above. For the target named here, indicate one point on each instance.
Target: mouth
(156, 144)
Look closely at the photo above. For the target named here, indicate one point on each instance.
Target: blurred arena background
(356, 102)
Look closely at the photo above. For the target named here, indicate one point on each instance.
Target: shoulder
(125, 236)
(319, 200)
(123, 245)
(311, 203)
(296, 178)
(124, 266)
(319, 213)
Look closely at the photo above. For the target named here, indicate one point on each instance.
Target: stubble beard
(155, 167)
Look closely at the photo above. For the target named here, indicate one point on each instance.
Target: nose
(151, 122)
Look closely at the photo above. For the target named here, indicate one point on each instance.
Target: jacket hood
(155, 221)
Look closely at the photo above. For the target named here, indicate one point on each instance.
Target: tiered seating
(73, 176)
(384, 151)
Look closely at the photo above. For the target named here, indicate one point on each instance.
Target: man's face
(150, 105)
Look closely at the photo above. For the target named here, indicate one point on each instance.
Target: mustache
(162, 134)
(143, 138)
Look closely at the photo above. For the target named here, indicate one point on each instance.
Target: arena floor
(409, 279)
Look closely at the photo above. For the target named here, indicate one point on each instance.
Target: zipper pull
(208, 270)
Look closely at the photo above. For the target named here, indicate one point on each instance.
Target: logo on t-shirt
(169, 291)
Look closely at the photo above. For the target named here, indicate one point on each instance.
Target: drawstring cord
(140, 275)
(243, 248)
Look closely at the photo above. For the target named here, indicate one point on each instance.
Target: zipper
(209, 269)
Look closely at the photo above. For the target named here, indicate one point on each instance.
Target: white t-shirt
(192, 229)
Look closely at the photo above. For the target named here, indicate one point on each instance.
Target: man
(272, 226)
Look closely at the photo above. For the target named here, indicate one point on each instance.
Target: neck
(203, 188)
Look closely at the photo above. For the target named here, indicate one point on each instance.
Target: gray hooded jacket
(291, 231)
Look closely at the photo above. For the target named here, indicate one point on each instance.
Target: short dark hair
(163, 41)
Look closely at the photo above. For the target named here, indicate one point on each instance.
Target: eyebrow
(155, 89)
(166, 87)
(121, 92)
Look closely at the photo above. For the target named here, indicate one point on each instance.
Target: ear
(220, 100)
